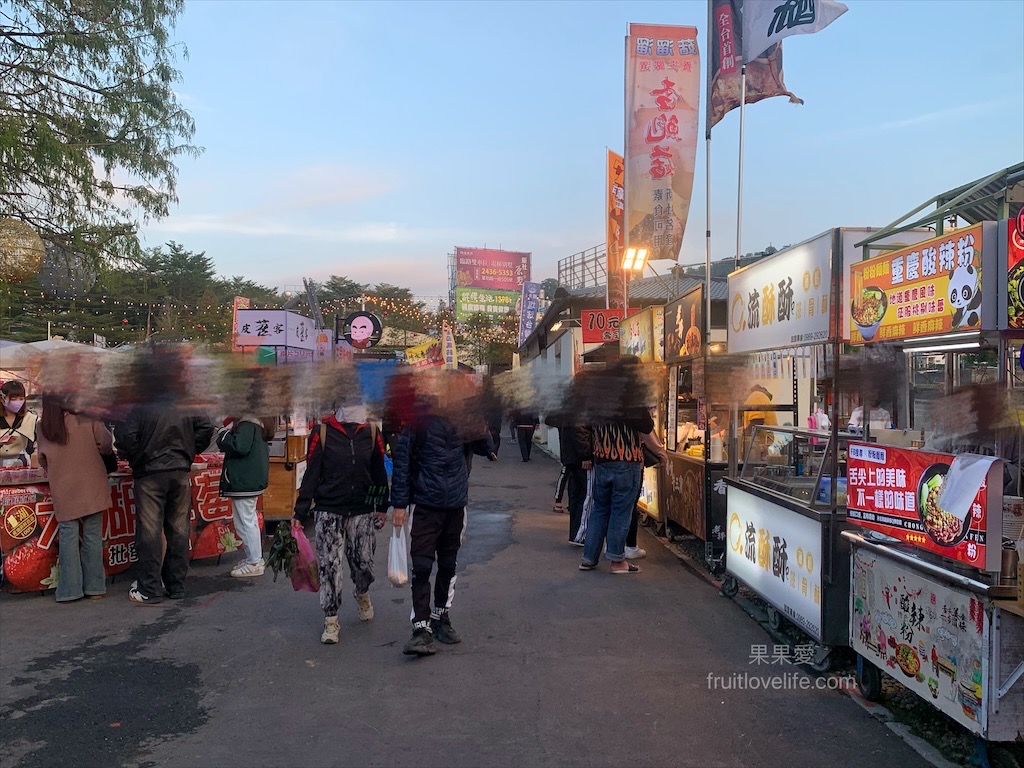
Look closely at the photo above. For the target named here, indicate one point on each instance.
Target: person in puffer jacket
(348, 485)
(431, 471)
(243, 479)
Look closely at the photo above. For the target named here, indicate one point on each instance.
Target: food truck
(935, 599)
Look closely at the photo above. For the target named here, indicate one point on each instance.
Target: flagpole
(707, 181)
(739, 183)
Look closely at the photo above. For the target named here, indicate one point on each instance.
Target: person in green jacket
(243, 479)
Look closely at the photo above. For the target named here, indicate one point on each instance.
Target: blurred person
(345, 491)
(575, 453)
(432, 463)
(160, 443)
(71, 449)
(526, 424)
(878, 417)
(244, 477)
(617, 439)
(17, 425)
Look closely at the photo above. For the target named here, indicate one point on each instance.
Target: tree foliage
(90, 126)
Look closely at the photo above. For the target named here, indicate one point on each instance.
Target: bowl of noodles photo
(942, 527)
(867, 311)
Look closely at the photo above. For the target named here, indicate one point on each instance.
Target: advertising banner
(658, 331)
(896, 490)
(764, 75)
(777, 553)
(615, 211)
(662, 100)
(528, 310)
(490, 268)
(424, 355)
(683, 497)
(495, 304)
(1015, 270)
(636, 335)
(601, 325)
(931, 637)
(782, 300)
(684, 327)
(449, 353)
(275, 328)
(928, 289)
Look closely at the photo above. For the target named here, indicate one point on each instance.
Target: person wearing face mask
(17, 425)
(345, 491)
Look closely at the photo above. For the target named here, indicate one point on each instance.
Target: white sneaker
(365, 607)
(243, 569)
(331, 631)
(635, 553)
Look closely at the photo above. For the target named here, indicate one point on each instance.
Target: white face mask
(13, 406)
(352, 414)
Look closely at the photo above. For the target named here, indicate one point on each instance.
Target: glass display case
(797, 463)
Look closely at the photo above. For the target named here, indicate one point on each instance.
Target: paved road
(558, 667)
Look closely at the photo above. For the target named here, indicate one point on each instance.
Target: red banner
(487, 268)
(894, 491)
(601, 325)
(28, 531)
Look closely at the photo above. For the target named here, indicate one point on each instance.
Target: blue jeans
(616, 486)
(81, 571)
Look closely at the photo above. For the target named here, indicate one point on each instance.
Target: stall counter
(28, 529)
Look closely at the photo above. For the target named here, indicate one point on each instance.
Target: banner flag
(767, 23)
(764, 74)
(662, 102)
(615, 204)
(528, 306)
(451, 354)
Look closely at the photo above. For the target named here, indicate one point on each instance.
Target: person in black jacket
(347, 483)
(431, 471)
(526, 424)
(575, 454)
(160, 443)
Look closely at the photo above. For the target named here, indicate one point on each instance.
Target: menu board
(684, 326)
(895, 491)
(1015, 270)
(636, 335)
(928, 289)
(930, 637)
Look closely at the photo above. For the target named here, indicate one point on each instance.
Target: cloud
(192, 103)
(252, 226)
(959, 112)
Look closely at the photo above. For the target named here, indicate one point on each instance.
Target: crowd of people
(432, 427)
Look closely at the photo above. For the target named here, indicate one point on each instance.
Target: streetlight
(633, 261)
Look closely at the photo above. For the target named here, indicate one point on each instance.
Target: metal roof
(667, 288)
(983, 199)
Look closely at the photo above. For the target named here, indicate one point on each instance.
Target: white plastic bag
(398, 554)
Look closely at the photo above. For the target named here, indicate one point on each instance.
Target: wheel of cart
(869, 679)
(775, 619)
(670, 533)
(730, 587)
(822, 661)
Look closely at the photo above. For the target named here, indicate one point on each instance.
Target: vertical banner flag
(764, 74)
(662, 99)
(765, 24)
(451, 355)
(528, 310)
(615, 203)
(239, 302)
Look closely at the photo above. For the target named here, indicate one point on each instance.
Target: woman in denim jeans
(70, 448)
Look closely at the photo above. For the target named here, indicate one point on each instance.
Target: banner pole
(610, 245)
(707, 235)
(739, 184)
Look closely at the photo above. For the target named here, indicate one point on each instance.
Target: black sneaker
(420, 644)
(444, 631)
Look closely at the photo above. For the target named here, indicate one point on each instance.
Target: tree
(549, 286)
(90, 126)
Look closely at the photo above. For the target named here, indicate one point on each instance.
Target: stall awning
(984, 199)
(602, 354)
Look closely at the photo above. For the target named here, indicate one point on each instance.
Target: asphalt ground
(557, 667)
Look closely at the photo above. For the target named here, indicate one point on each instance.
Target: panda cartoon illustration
(965, 296)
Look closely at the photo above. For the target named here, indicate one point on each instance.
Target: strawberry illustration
(29, 567)
(210, 542)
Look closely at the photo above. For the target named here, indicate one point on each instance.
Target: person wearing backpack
(345, 491)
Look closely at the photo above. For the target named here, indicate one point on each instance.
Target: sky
(370, 139)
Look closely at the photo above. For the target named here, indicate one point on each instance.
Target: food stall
(289, 338)
(28, 531)
(935, 595)
(642, 335)
(784, 509)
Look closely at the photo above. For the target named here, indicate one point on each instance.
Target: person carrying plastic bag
(345, 490)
